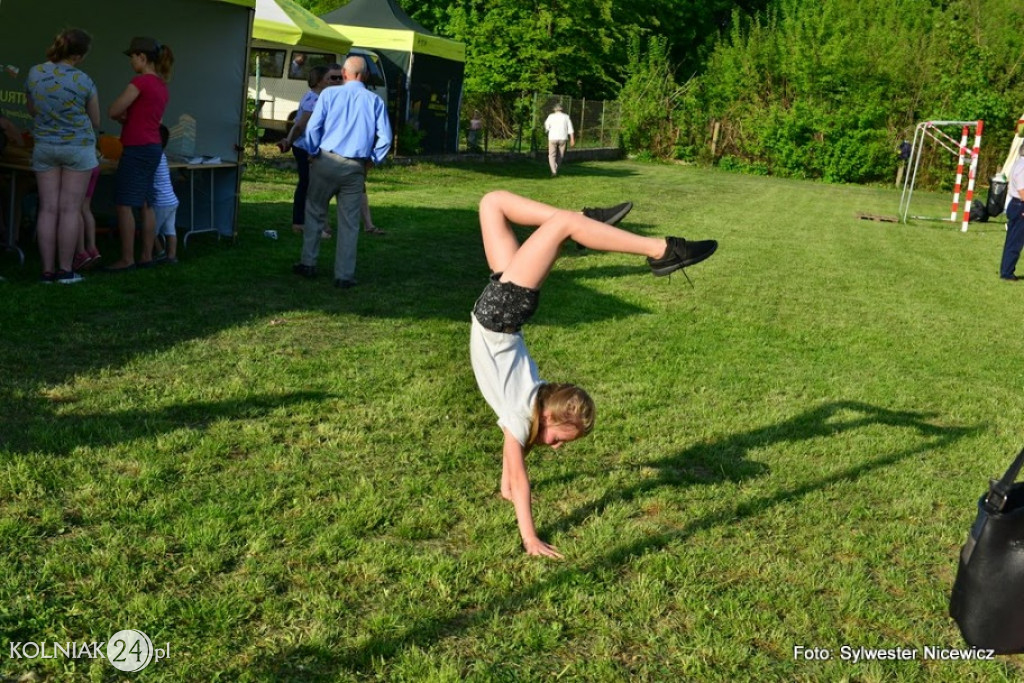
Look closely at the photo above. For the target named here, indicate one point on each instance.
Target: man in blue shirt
(347, 133)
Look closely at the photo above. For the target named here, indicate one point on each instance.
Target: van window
(271, 63)
(302, 62)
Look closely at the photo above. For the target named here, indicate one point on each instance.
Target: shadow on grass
(538, 169)
(725, 460)
(433, 270)
(430, 266)
(698, 464)
(32, 426)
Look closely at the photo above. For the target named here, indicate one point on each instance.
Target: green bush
(649, 100)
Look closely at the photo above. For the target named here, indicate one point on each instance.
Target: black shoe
(1011, 278)
(304, 270)
(680, 254)
(345, 284)
(67, 277)
(612, 215)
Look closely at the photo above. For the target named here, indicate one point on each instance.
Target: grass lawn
(288, 482)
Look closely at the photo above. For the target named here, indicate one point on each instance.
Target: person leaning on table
(1014, 221)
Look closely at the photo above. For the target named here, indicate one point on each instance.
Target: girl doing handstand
(531, 411)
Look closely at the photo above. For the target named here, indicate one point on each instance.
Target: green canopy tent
(424, 71)
(285, 21)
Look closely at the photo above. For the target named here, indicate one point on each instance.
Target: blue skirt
(135, 175)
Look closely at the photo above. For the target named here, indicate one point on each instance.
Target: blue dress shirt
(350, 121)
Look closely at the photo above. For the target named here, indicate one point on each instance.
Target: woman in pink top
(139, 109)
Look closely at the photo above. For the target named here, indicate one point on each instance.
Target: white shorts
(166, 217)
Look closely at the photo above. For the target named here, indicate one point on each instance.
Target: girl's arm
(518, 482)
(92, 108)
(119, 108)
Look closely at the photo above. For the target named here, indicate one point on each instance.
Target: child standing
(139, 109)
(88, 255)
(531, 411)
(161, 210)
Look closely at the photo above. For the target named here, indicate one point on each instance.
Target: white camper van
(281, 78)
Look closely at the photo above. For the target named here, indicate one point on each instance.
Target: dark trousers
(1014, 237)
(299, 200)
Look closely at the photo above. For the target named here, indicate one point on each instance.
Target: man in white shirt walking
(559, 128)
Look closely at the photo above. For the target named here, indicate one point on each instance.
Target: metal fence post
(583, 112)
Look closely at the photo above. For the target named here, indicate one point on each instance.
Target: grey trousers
(331, 175)
(556, 151)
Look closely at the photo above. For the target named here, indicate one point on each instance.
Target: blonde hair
(567, 404)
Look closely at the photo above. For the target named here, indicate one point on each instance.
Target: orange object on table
(110, 147)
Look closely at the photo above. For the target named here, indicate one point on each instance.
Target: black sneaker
(304, 270)
(345, 284)
(680, 254)
(67, 277)
(612, 215)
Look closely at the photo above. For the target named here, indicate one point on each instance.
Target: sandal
(375, 231)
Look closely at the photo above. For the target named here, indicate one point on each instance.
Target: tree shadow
(725, 459)
(312, 663)
(537, 169)
(433, 270)
(30, 426)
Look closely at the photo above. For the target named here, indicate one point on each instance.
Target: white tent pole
(256, 113)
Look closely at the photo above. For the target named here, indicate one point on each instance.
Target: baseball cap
(144, 45)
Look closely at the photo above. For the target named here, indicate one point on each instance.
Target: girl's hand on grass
(539, 547)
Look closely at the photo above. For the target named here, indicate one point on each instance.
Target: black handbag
(987, 601)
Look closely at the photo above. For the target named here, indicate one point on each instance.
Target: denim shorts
(135, 173)
(47, 156)
(505, 306)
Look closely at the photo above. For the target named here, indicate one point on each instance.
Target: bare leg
(89, 225)
(88, 241)
(528, 265)
(126, 230)
(73, 185)
(48, 186)
(148, 233)
(368, 225)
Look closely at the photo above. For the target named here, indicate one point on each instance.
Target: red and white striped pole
(959, 176)
(970, 176)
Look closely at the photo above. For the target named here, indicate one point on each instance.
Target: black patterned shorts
(505, 306)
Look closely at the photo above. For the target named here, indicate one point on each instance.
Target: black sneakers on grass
(612, 215)
(679, 254)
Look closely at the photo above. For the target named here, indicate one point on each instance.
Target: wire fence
(516, 124)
